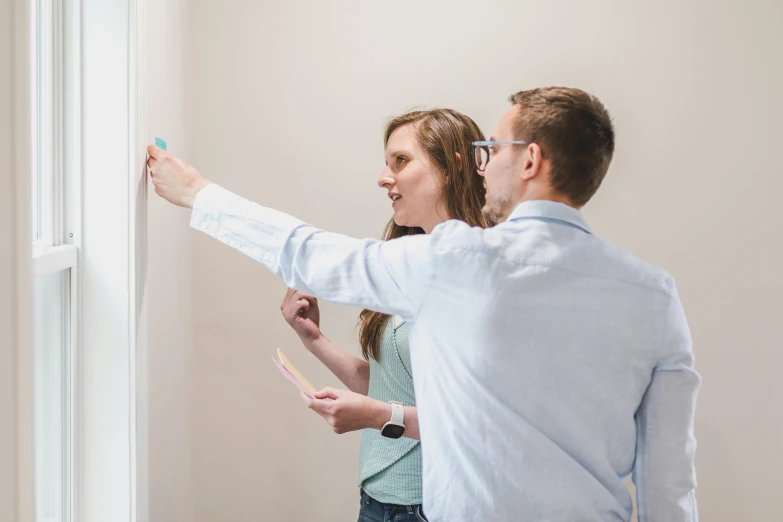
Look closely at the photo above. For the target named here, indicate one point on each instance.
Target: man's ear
(532, 162)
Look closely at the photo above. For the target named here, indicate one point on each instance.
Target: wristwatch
(395, 427)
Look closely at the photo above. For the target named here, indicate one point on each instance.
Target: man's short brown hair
(574, 130)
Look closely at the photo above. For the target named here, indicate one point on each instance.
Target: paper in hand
(293, 375)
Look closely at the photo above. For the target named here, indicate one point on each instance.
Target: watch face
(393, 431)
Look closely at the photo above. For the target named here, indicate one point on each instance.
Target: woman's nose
(386, 179)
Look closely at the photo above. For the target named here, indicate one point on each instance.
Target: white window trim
(109, 466)
(111, 400)
(70, 227)
(55, 259)
(137, 201)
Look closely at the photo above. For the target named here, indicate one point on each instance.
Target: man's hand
(174, 180)
(348, 411)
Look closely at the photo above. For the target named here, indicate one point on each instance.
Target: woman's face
(413, 182)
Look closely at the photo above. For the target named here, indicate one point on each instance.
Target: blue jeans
(374, 511)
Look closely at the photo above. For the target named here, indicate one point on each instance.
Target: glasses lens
(482, 156)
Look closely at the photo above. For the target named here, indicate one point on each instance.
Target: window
(55, 293)
(88, 212)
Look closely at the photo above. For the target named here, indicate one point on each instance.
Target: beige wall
(7, 274)
(16, 465)
(168, 273)
(288, 105)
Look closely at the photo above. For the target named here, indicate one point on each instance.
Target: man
(548, 364)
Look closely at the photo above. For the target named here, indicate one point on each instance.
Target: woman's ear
(459, 162)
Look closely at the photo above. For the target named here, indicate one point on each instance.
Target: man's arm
(664, 472)
(385, 276)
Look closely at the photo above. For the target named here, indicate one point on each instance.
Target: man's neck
(546, 196)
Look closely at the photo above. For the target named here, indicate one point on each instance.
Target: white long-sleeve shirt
(548, 364)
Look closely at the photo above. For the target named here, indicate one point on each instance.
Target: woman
(430, 177)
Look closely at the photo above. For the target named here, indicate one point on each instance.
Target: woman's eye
(491, 149)
(400, 159)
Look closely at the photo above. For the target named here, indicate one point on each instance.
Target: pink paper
(292, 378)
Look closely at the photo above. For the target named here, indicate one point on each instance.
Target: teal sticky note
(160, 143)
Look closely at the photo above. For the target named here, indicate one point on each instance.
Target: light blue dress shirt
(548, 364)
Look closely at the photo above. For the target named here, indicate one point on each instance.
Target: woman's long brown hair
(441, 133)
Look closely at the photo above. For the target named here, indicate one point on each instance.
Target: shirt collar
(550, 211)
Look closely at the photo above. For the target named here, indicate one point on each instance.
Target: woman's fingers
(327, 393)
(288, 295)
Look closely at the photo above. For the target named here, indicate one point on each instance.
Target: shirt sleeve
(386, 276)
(664, 471)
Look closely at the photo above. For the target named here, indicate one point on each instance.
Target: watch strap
(398, 413)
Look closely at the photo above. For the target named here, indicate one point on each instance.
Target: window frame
(51, 252)
(106, 389)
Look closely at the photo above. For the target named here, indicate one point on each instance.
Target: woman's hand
(348, 411)
(301, 311)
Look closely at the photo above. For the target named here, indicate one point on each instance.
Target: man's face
(503, 174)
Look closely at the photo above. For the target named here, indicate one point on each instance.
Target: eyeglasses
(483, 151)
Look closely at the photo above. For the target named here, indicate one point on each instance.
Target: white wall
(168, 272)
(288, 105)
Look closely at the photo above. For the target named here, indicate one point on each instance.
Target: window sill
(48, 259)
